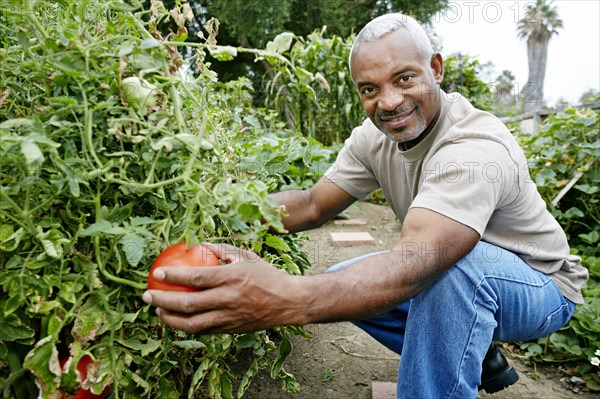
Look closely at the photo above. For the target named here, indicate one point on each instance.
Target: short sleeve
(467, 182)
(352, 169)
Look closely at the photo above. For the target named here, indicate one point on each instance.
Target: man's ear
(437, 66)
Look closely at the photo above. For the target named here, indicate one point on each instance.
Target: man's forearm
(307, 209)
(369, 287)
(298, 207)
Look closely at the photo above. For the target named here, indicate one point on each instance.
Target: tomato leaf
(189, 344)
(133, 246)
(12, 329)
(42, 361)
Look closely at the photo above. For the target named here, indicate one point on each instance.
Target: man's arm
(249, 295)
(430, 244)
(307, 209)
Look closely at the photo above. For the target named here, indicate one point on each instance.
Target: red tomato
(82, 368)
(179, 255)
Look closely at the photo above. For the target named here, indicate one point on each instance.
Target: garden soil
(340, 361)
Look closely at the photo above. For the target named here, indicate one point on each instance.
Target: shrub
(94, 184)
(564, 164)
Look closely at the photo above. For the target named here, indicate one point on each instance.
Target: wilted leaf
(42, 361)
(281, 43)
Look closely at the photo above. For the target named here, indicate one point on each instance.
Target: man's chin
(399, 136)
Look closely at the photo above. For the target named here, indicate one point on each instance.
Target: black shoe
(496, 373)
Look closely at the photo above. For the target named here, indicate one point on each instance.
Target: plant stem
(29, 15)
(98, 252)
(22, 218)
(143, 186)
(172, 91)
(17, 371)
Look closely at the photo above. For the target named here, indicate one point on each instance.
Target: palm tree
(540, 22)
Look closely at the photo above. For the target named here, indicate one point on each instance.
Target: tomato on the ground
(82, 368)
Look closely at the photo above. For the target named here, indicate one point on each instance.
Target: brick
(350, 222)
(383, 390)
(350, 239)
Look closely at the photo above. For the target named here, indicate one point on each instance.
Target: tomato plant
(181, 255)
(82, 368)
(92, 186)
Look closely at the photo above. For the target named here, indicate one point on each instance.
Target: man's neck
(410, 144)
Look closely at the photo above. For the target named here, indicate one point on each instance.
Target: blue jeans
(443, 333)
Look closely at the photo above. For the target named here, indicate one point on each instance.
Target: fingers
(206, 323)
(180, 302)
(197, 277)
(231, 254)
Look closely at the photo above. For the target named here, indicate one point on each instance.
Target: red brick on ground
(383, 390)
(348, 239)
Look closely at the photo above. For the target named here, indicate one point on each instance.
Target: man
(479, 258)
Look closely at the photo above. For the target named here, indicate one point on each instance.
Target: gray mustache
(397, 111)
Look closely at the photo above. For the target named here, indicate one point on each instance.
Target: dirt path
(341, 361)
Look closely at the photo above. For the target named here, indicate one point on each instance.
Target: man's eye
(405, 78)
(367, 91)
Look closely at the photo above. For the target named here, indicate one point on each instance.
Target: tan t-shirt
(471, 169)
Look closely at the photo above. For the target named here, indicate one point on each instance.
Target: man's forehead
(398, 38)
(398, 42)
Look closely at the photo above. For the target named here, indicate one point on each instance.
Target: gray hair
(388, 23)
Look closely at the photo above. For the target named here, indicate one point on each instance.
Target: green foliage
(92, 188)
(564, 156)
(461, 75)
(313, 89)
(253, 23)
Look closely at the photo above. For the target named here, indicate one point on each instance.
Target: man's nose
(391, 99)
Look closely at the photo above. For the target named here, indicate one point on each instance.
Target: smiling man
(479, 258)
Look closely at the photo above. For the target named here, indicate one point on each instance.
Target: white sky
(488, 30)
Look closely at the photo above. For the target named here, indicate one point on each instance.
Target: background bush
(563, 159)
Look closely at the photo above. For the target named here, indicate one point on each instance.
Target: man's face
(398, 87)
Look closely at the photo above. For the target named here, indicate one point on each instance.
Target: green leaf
(587, 188)
(591, 238)
(248, 211)
(245, 383)
(17, 122)
(145, 349)
(189, 344)
(133, 246)
(13, 330)
(96, 228)
(285, 350)
(199, 376)
(571, 212)
(593, 385)
(52, 249)
(277, 243)
(140, 382)
(32, 152)
(126, 49)
(139, 221)
(149, 43)
(12, 242)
